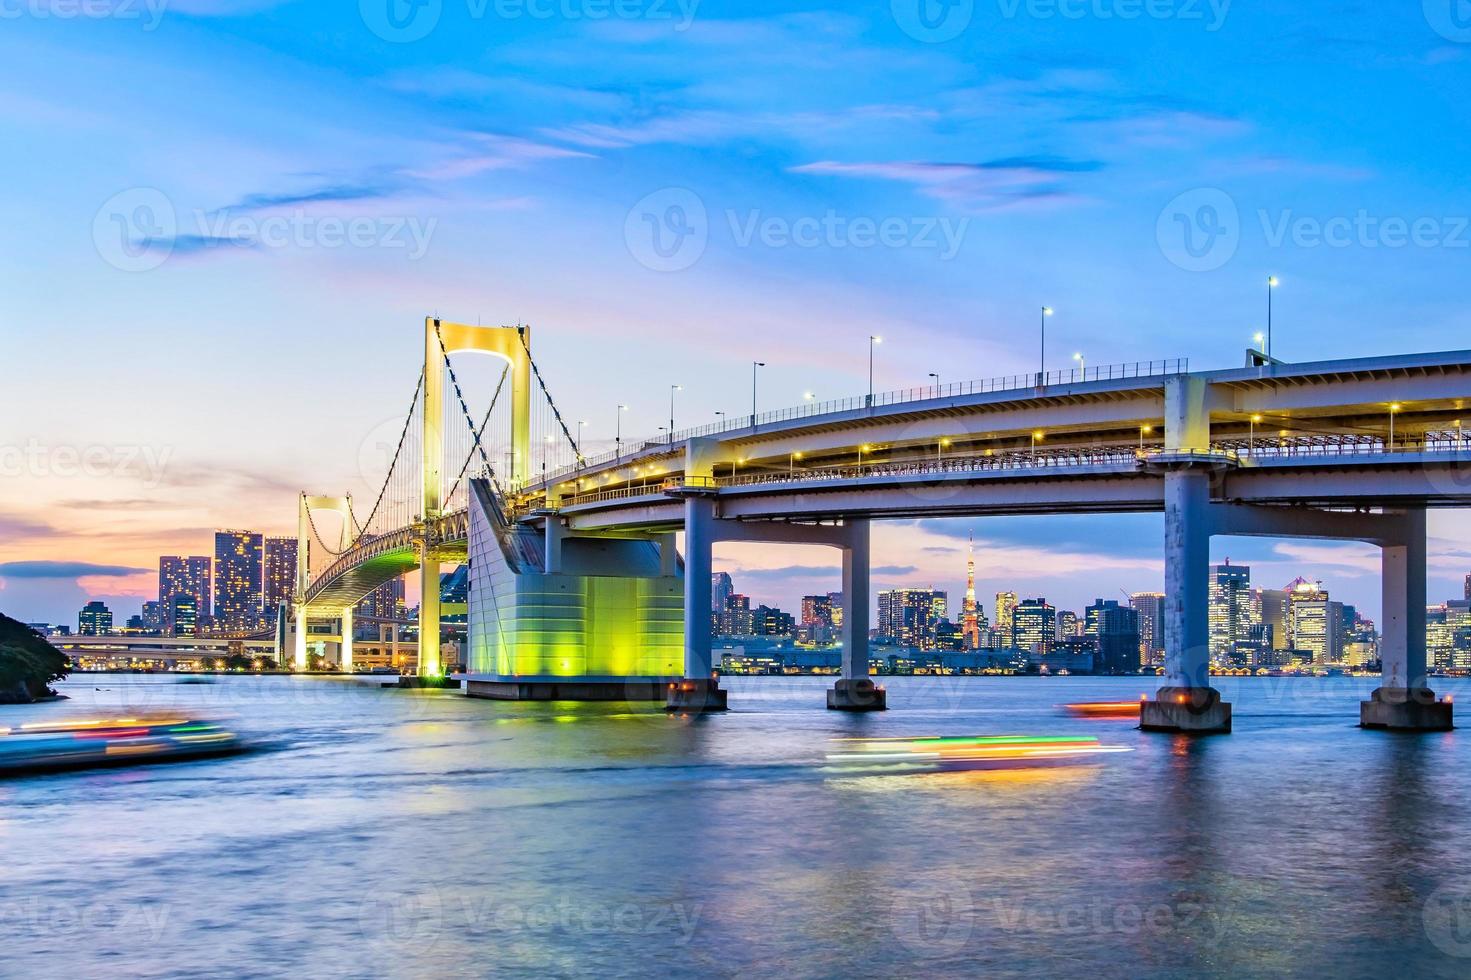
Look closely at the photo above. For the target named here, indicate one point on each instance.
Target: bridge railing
(902, 396)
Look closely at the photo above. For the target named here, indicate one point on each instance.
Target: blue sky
(1138, 166)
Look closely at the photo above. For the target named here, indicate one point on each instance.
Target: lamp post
(1144, 430)
(792, 462)
(937, 383)
(1042, 360)
(618, 430)
(754, 366)
(1271, 285)
(940, 450)
(581, 457)
(720, 420)
(1251, 434)
(873, 341)
(1037, 436)
(1082, 366)
(1393, 411)
(672, 390)
(861, 450)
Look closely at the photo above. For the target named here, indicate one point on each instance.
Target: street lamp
(1144, 430)
(618, 430)
(937, 383)
(672, 390)
(544, 449)
(861, 450)
(1271, 285)
(1042, 362)
(873, 341)
(581, 458)
(1037, 436)
(792, 462)
(1251, 434)
(1393, 411)
(754, 366)
(940, 450)
(1082, 366)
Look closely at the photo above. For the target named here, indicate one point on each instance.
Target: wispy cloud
(990, 185)
(64, 570)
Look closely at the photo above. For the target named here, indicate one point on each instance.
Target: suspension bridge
(577, 590)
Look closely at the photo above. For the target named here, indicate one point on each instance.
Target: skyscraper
(1274, 617)
(1151, 609)
(238, 579)
(1033, 625)
(721, 589)
(1005, 603)
(280, 572)
(385, 602)
(95, 619)
(970, 618)
(182, 616)
(1115, 629)
(179, 575)
(1232, 611)
(817, 610)
(910, 616)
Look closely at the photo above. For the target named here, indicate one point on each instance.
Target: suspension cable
(555, 411)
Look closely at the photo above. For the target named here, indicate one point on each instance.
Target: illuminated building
(95, 619)
(1274, 604)
(836, 600)
(280, 573)
(152, 617)
(182, 615)
(736, 619)
(1067, 624)
(1033, 625)
(721, 589)
(238, 579)
(1151, 609)
(1314, 624)
(385, 602)
(1232, 611)
(1115, 629)
(909, 616)
(769, 621)
(183, 575)
(817, 610)
(1005, 603)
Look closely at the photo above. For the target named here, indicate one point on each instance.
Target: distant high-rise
(721, 589)
(1115, 628)
(182, 616)
(239, 569)
(910, 616)
(152, 615)
(385, 602)
(1231, 612)
(736, 619)
(1005, 603)
(1067, 624)
(817, 610)
(179, 575)
(1033, 625)
(280, 573)
(1151, 609)
(95, 619)
(836, 600)
(1316, 622)
(1468, 587)
(1275, 623)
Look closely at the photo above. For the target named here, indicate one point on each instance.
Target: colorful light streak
(939, 753)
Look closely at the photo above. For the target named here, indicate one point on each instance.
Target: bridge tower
(441, 339)
(341, 506)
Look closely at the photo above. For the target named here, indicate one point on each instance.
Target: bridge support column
(1404, 699)
(1187, 702)
(855, 690)
(429, 663)
(298, 642)
(344, 659)
(700, 689)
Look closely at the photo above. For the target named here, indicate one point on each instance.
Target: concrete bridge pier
(344, 659)
(1187, 702)
(699, 689)
(1404, 700)
(298, 641)
(855, 690)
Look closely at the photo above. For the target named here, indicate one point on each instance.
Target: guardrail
(903, 396)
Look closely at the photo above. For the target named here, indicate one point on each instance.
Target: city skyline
(1017, 127)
